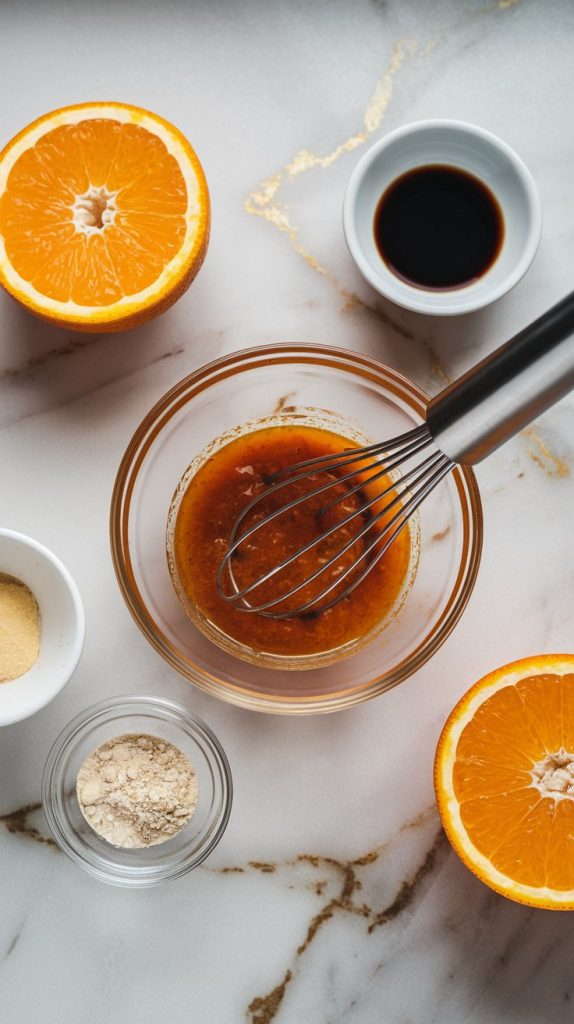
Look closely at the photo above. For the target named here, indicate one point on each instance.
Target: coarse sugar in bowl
(145, 716)
(286, 384)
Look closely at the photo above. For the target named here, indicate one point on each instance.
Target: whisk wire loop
(401, 518)
(412, 441)
(435, 467)
(239, 594)
(356, 454)
(385, 459)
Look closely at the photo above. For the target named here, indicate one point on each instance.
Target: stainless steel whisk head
(400, 499)
(465, 423)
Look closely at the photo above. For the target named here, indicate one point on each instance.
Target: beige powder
(19, 628)
(137, 790)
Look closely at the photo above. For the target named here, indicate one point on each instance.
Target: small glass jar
(137, 868)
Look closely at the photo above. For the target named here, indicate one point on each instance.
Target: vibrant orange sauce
(223, 487)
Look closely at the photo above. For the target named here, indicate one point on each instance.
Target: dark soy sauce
(438, 227)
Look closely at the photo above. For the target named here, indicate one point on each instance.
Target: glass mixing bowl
(286, 382)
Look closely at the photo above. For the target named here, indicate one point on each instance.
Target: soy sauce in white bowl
(438, 227)
(477, 233)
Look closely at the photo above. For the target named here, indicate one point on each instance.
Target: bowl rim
(151, 426)
(30, 707)
(419, 300)
(155, 707)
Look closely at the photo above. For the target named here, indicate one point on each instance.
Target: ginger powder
(19, 628)
(137, 790)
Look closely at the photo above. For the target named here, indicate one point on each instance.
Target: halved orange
(504, 780)
(104, 216)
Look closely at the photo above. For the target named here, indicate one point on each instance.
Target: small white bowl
(474, 150)
(62, 625)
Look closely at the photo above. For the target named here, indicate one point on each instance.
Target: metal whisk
(465, 423)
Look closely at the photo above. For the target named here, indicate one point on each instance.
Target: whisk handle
(507, 390)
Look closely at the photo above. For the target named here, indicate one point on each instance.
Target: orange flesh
(525, 834)
(121, 258)
(216, 495)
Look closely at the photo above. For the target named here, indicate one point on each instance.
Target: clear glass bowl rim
(134, 704)
(153, 423)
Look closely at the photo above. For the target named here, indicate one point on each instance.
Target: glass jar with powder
(173, 766)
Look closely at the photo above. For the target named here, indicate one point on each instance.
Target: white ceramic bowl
(474, 150)
(62, 625)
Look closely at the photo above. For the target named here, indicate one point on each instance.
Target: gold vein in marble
(343, 880)
(437, 369)
(429, 47)
(538, 450)
(305, 159)
(493, 8)
(262, 201)
(409, 888)
(17, 823)
(263, 1009)
(542, 456)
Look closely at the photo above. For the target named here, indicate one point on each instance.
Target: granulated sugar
(19, 628)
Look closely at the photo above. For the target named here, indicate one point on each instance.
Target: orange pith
(504, 780)
(104, 216)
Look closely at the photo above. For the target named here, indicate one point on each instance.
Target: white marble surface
(332, 896)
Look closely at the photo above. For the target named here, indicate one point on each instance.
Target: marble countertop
(333, 895)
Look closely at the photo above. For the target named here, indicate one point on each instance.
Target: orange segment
(104, 216)
(504, 780)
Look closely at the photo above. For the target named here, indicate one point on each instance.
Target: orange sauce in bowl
(223, 487)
